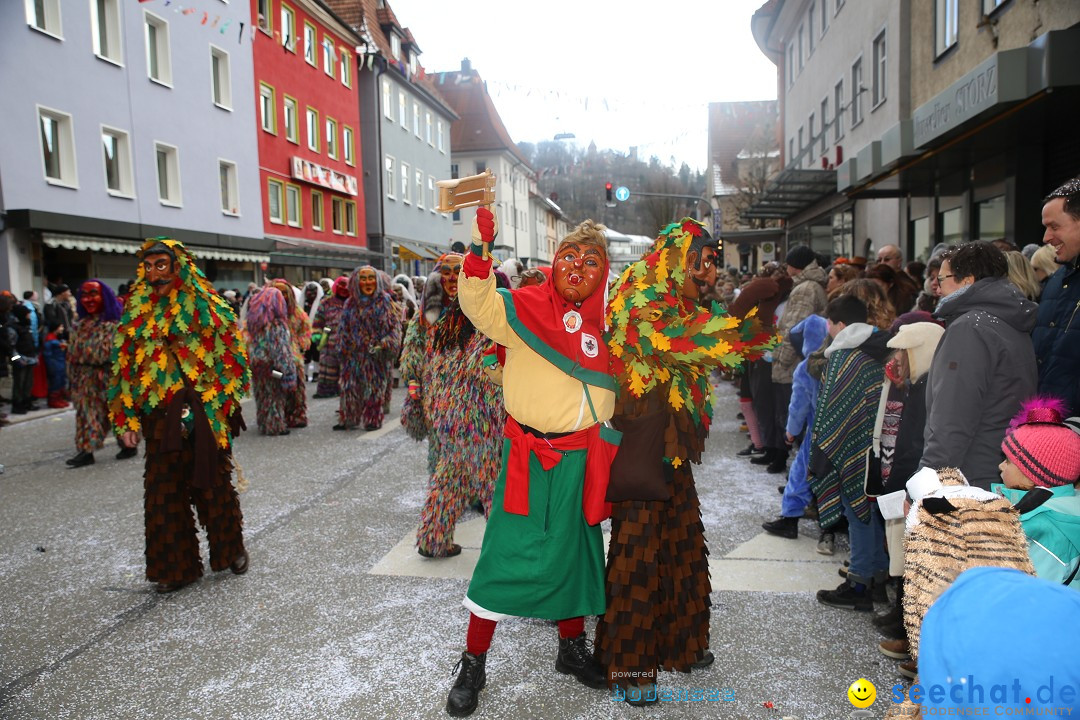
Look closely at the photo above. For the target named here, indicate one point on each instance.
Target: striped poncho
(844, 428)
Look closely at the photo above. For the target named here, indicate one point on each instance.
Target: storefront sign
(1001, 78)
(325, 177)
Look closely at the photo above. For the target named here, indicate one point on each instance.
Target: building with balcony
(125, 121)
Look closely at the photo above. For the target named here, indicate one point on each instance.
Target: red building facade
(308, 115)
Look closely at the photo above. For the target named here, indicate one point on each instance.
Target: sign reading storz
(1001, 78)
(318, 175)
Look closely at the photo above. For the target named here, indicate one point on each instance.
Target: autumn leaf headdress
(661, 340)
(187, 335)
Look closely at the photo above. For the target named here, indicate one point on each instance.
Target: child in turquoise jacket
(1039, 473)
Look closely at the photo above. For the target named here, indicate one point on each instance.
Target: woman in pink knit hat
(1039, 474)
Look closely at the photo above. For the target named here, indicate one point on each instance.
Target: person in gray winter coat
(984, 367)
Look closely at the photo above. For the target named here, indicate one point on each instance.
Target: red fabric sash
(599, 455)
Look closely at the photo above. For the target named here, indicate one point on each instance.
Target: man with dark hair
(1056, 336)
(984, 366)
(842, 437)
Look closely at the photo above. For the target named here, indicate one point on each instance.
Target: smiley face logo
(862, 693)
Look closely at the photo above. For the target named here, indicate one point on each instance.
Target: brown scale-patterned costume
(172, 542)
(658, 603)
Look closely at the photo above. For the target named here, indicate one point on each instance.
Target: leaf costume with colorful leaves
(663, 347)
(188, 335)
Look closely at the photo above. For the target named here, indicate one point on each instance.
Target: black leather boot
(576, 658)
(82, 459)
(470, 681)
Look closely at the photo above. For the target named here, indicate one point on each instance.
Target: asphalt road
(339, 618)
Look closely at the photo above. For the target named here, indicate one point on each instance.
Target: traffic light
(607, 188)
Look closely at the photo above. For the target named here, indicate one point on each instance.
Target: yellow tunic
(536, 393)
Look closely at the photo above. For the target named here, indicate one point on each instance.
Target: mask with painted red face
(449, 268)
(90, 297)
(578, 271)
(341, 288)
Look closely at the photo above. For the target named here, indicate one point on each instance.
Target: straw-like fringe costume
(182, 350)
(663, 348)
(464, 412)
(328, 316)
(88, 370)
(365, 322)
(270, 349)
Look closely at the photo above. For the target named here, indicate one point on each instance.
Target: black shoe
(453, 551)
(126, 453)
(703, 662)
(82, 459)
(785, 527)
(576, 658)
(165, 588)
(780, 488)
(239, 566)
(847, 597)
(765, 458)
(343, 426)
(751, 451)
(879, 592)
(19, 410)
(372, 426)
(470, 681)
(779, 465)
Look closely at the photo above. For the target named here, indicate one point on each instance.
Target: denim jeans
(868, 556)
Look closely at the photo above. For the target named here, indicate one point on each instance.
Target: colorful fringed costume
(88, 353)
(462, 409)
(179, 370)
(369, 337)
(663, 347)
(325, 326)
(300, 329)
(270, 349)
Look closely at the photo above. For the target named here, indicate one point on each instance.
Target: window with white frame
(44, 15)
(337, 206)
(267, 114)
(168, 174)
(420, 189)
(230, 189)
(313, 130)
(810, 27)
(839, 4)
(292, 205)
(220, 78)
(857, 90)
(990, 6)
(265, 22)
(158, 55)
(310, 44)
(332, 147)
(838, 111)
(387, 111)
(439, 136)
(390, 179)
(802, 52)
(119, 178)
(427, 129)
(880, 76)
(275, 205)
(328, 58)
(946, 20)
(791, 64)
(292, 114)
(801, 142)
(405, 180)
(350, 217)
(416, 118)
(824, 16)
(811, 138)
(347, 142)
(824, 121)
(433, 195)
(395, 46)
(316, 210)
(288, 28)
(105, 25)
(402, 111)
(57, 147)
(346, 69)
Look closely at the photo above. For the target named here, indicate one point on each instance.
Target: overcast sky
(617, 73)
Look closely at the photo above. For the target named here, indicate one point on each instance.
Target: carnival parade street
(339, 617)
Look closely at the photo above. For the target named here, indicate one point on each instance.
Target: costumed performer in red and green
(543, 551)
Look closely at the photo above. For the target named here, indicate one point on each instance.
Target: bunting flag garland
(187, 336)
(662, 341)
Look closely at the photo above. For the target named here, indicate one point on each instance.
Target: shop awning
(415, 252)
(791, 192)
(118, 245)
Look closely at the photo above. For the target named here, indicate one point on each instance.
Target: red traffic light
(607, 187)
(607, 190)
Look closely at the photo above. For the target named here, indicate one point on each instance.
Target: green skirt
(548, 564)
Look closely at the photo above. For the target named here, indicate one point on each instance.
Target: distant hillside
(574, 179)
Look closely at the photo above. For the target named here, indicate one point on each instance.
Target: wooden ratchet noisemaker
(466, 192)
